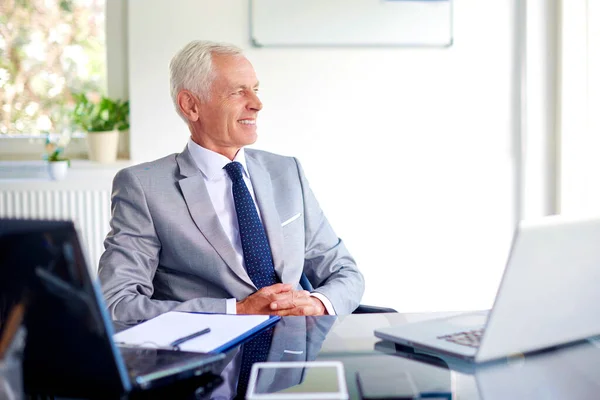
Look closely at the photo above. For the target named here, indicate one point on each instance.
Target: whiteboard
(351, 22)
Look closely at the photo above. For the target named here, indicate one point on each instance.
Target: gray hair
(192, 69)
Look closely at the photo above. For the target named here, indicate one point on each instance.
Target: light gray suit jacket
(167, 250)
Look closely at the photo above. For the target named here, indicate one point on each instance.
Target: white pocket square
(293, 351)
(290, 220)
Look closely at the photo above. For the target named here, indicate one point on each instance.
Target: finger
(309, 306)
(298, 311)
(277, 288)
(290, 300)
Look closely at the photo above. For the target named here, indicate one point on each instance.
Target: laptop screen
(69, 351)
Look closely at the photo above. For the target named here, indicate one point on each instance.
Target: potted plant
(57, 163)
(102, 119)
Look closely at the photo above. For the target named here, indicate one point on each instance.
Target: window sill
(83, 174)
(27, 148)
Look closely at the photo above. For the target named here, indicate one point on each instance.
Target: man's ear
(188, 104)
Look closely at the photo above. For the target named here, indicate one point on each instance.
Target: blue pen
(179, 341)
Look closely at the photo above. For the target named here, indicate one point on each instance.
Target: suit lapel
(263, 190)
(203, 213)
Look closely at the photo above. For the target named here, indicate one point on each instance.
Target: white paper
(166, 328)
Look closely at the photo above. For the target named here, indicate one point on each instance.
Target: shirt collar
(211, 163)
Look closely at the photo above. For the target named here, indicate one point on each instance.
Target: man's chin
(250, 138)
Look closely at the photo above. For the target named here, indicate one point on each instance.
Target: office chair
(361, 309)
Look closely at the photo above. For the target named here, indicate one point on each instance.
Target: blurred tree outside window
(49, 49)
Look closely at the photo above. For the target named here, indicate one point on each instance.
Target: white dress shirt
(218, 184)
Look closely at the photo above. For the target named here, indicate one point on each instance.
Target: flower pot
(58, 170)
(102, 146)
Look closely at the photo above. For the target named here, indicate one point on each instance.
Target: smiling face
(227, 120)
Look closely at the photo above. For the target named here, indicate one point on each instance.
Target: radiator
(88, 209)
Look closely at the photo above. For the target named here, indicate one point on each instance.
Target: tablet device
(316, 380)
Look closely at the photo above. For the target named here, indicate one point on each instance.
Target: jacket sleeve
(131, 257)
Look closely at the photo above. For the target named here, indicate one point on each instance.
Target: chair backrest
(305, 283)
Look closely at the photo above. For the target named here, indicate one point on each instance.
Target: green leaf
(66, 5)
(106, 115)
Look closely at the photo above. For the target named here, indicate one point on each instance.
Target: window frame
(31, 147)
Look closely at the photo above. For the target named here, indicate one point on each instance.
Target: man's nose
(255, 103)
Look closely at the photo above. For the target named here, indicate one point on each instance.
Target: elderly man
(219, 228)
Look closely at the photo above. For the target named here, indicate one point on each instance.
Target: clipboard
(226, 331)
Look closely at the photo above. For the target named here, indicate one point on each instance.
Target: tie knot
(234, 169)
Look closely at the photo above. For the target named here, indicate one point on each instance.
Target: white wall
(580, 102)
(408, 150)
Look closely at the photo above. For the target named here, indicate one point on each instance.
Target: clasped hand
(281, 299)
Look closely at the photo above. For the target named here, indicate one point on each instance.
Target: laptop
(548, 296)
(69, 348)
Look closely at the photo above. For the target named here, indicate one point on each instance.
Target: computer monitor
(69, 350)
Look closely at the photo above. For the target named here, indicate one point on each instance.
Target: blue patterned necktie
(259, 265)
(255, 246)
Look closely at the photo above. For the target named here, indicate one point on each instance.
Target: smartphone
(386, 385)
(314, 380)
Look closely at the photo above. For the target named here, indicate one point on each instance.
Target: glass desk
(568, 372)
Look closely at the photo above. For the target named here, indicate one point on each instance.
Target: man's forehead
(231, 61)
(235, 69)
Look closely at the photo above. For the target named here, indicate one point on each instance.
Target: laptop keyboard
(471, 338)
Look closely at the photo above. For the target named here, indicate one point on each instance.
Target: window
(49, 49)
